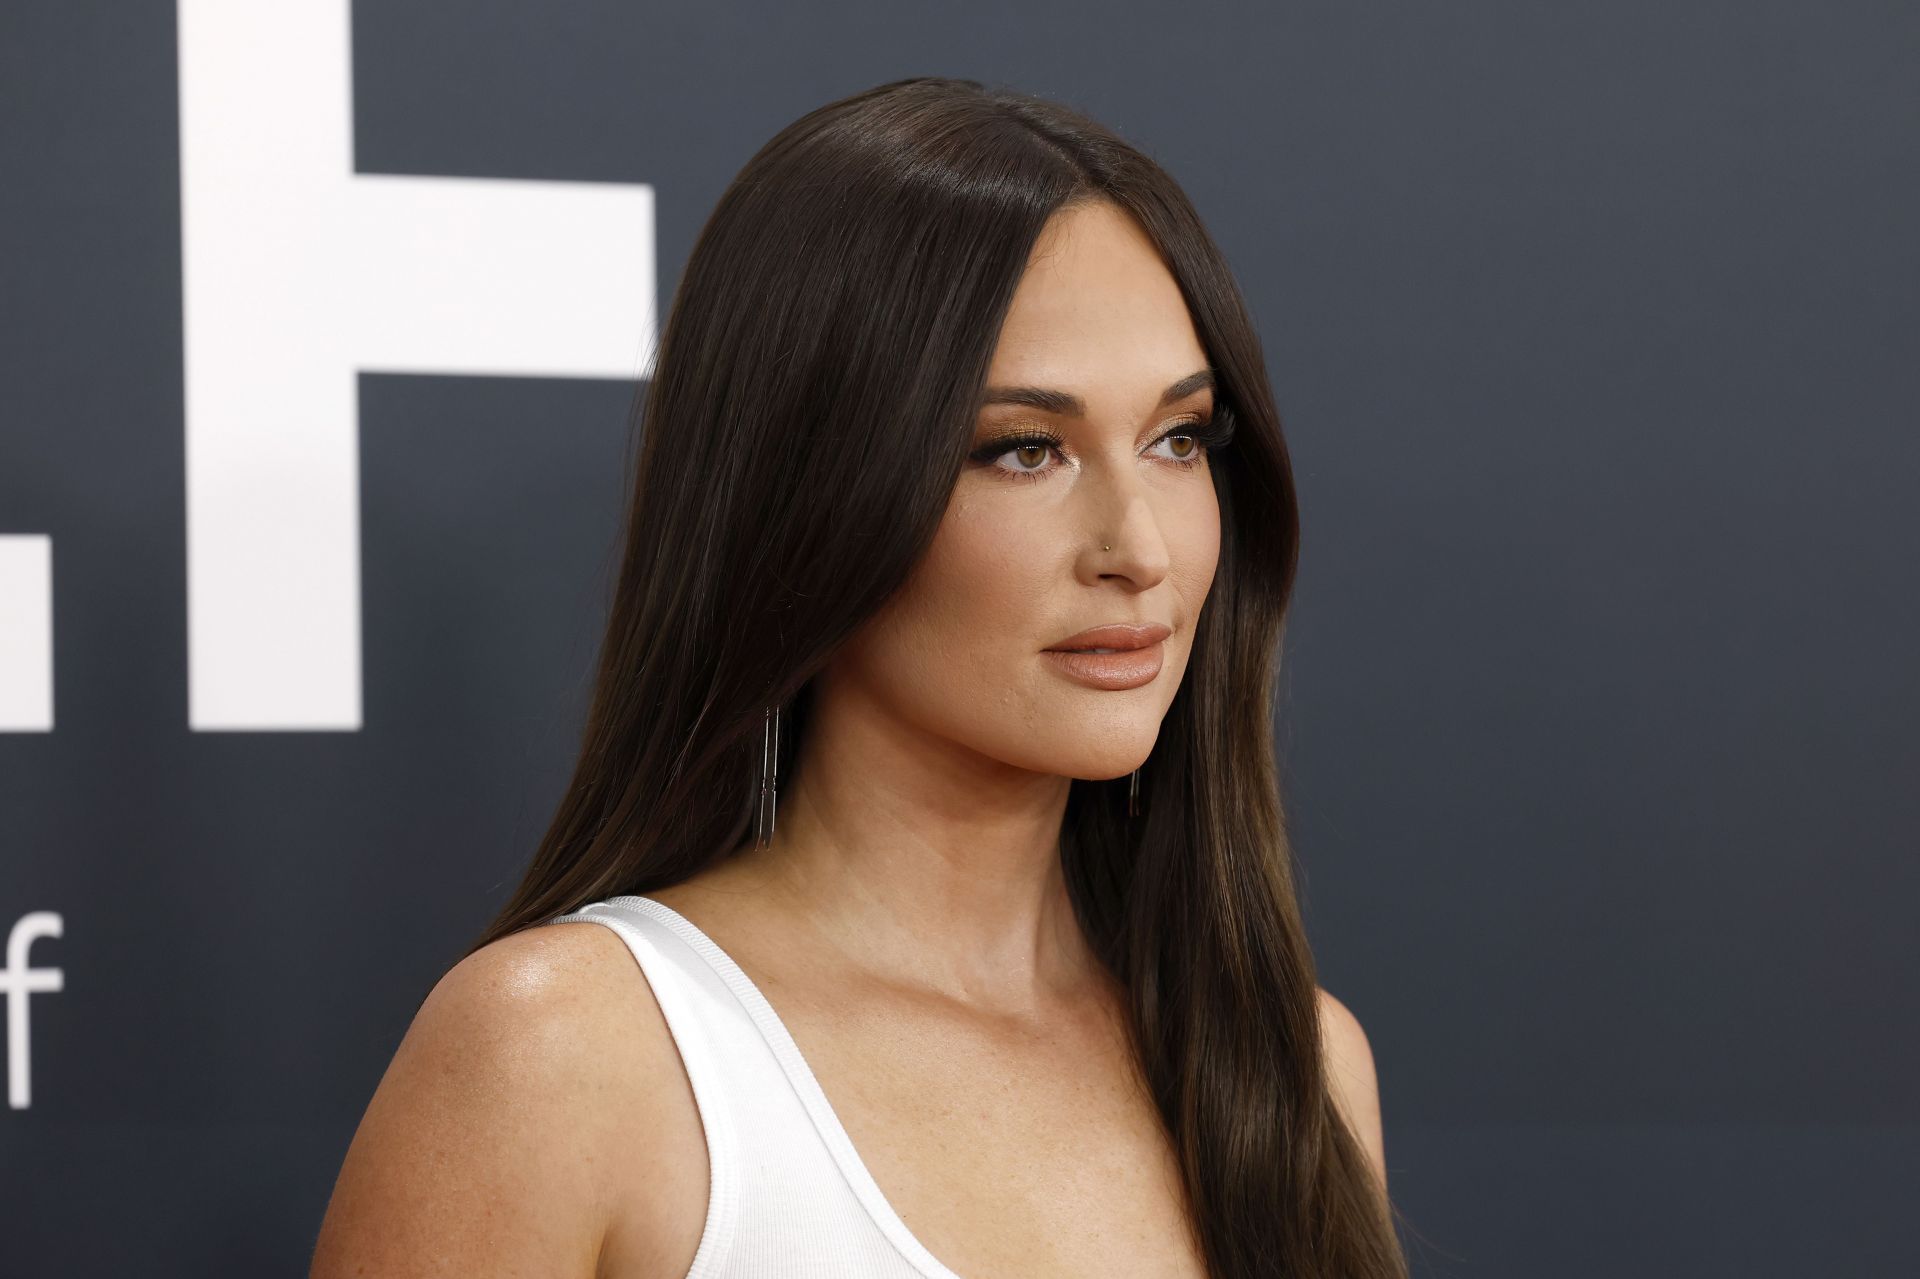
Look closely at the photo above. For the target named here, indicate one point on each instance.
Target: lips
(1119, 655)
(1121, 669)
(1118, 636)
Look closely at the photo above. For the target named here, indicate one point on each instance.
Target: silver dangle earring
(769, 769)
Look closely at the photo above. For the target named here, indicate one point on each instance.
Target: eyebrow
(1068, 404)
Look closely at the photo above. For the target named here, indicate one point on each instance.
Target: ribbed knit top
(788, 1195)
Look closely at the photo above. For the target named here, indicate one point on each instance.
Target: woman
(928, 777)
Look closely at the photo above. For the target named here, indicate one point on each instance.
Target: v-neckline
(825, 1120)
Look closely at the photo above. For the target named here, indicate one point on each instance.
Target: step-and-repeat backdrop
(1595, 332)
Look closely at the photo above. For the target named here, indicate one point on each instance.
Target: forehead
(1097, 313)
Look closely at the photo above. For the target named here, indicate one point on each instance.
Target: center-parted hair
(813, 402)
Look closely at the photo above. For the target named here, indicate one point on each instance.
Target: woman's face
(1017, 566)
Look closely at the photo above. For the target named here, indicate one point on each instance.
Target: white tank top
(788, 1195)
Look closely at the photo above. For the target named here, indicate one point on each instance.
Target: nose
(1123, 538)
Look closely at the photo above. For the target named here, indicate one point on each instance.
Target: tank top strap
(787, 1194)
(700, 1013)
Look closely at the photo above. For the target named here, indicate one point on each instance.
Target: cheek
(1194, 544)
(1194, 553)
(974, 605)
(982, 579)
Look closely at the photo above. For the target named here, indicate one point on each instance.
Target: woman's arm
(1351, 1079)
(476, 1155)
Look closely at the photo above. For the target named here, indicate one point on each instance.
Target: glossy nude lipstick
(1117, 656)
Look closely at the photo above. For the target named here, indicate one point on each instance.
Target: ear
(1350, 1078)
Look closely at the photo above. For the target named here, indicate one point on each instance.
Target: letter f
(18, 981)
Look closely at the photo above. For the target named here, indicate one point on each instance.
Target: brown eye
(1187, 444)
(1027, 452)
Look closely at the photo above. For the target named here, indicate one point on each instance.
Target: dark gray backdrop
(1594, 330)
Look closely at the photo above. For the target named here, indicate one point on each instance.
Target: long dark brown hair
(812, 402)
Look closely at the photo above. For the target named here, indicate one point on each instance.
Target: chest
(1007, 1151)
(1006, 1148)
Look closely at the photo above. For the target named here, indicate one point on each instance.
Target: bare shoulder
(1351, 1077)
(505, 1135)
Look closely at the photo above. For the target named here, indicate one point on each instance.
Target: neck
(928, 866)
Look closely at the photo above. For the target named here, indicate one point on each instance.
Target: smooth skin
(917, 942)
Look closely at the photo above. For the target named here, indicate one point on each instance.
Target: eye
(1193, 442)
(1022, 449)
(1186, 442)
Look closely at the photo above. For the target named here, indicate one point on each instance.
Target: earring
(769, 769)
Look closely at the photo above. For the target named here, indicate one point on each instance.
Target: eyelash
(1214, 433)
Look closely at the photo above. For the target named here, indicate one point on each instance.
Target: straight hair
(812, 404)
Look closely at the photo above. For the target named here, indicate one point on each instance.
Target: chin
(1085, 747)
(1105, 775)
(1103, 766)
